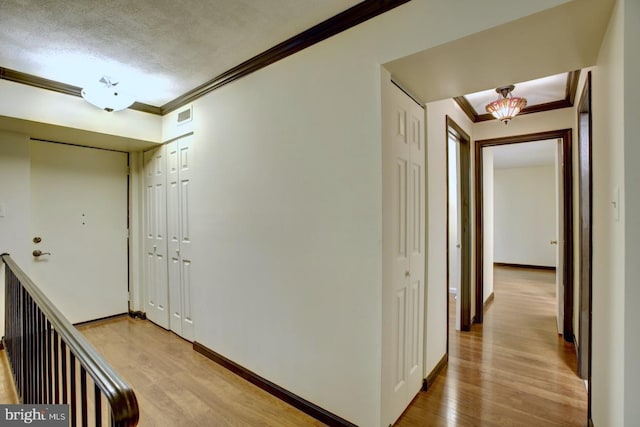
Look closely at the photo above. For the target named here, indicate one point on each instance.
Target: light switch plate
(615, 203)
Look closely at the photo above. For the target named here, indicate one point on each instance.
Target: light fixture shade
(507, 107)
(106, 95)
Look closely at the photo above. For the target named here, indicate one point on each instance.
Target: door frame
(567, 183)
(464, 175)
(585, 214)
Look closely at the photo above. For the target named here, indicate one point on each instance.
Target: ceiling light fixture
(507, 107)
(106, 95)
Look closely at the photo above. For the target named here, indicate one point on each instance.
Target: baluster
(42, 340)
(98, 405)
(40, 378)
(56, 362)
(50, 375)
(72, 379)
(33, 359)
(28, 354)
(83, 396)
(63, 351)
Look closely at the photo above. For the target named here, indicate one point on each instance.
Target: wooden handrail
(122, 399)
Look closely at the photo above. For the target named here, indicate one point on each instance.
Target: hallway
(514, 370)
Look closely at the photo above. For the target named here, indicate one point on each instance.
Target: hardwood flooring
(7, 388)
(176, 386)
(514, 370)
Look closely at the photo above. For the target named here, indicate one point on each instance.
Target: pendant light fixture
(106, 95)
(507, 106)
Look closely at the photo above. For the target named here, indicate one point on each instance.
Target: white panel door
(179, 175)
(79, 211)
(416, 233)
(403, 252)
(155, 240)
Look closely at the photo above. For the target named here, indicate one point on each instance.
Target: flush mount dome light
(106, 95)
(507, 107)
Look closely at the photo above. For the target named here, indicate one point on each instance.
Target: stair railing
(52, 363)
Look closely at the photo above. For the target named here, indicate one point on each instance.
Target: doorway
(585, 208)
(522, 212)
(458, 224)
(567, 225)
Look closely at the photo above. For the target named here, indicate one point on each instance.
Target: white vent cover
(185, 115)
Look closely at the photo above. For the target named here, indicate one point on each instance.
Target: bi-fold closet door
(404, 221)
(168, 249)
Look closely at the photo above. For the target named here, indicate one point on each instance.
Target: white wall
(30, 103)
(608, 358)
(525, 216)
(488, 222)
(14, 198)
(631, 207)
(287, 274)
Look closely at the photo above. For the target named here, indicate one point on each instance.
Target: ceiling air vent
(185, 115)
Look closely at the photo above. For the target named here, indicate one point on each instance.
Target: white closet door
(403, 252)
(416, 236)
(155, 242)
(180, 158)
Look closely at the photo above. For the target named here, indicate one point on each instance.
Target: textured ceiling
(161, 49)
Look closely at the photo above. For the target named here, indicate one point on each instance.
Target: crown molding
(343, 21)
(55, 86)
(568, 101)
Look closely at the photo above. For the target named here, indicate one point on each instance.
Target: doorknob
(406, 274)
(553, 242)
(36, 253)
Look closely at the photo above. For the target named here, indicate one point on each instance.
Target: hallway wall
(632, 210)
(15, 200)
(608, 359)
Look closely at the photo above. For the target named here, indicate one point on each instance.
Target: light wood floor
(514, 370)
(7, 388)
(176, 386)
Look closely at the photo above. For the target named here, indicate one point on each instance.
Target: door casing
(567, 184)
(464, 293)
(585, 210)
